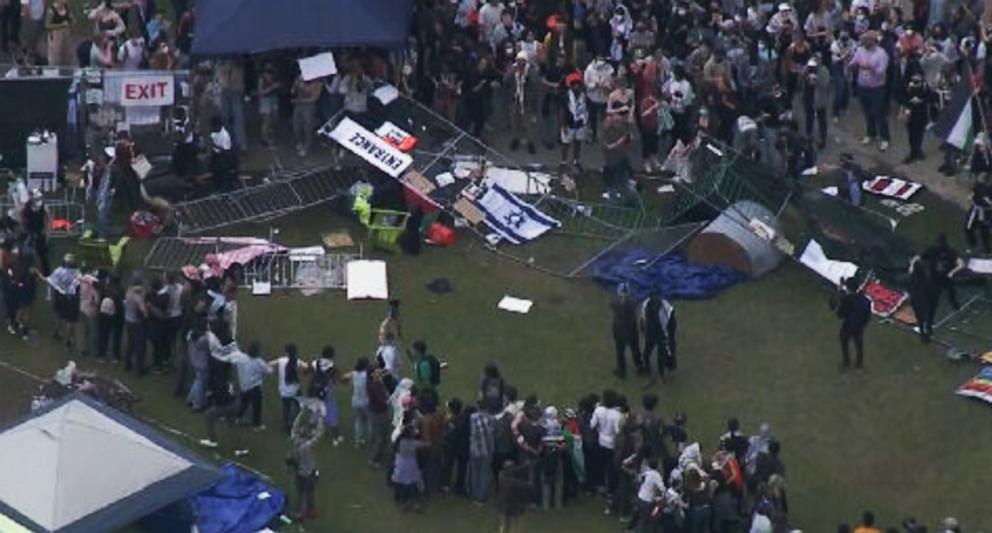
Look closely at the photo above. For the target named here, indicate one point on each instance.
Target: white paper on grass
(980, 266)
(835, 271)
(515, 305)
(318, 66)
(367, 280)
(831, 191)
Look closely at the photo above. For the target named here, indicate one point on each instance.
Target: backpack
(321, 381)
(435, 366)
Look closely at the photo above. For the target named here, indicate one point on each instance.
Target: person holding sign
(305, 96)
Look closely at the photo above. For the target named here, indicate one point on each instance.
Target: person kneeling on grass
(307, 431)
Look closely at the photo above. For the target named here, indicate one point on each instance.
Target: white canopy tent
(80, 466)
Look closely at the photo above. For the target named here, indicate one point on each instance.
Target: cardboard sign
(370, 147)
(148, 91)
(318, 66)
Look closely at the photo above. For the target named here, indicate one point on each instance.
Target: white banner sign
(370, 147)
(147, 91)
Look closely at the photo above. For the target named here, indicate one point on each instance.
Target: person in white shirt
(388, 355)
(651, 489)
(784, 20)
(289, 367)
(606, 423)
(489, 17)
(223, 165)
(131, 53)
(598, 78)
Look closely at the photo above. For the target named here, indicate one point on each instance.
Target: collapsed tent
(644, 270)
(231, 27)
(78, 466)
(731, 241)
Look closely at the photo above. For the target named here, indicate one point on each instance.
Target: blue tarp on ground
(677, 278)
(233, 27)
(234, 504)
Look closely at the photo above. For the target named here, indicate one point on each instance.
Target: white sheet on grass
(515, 305)
(835, 271)
(367, 280)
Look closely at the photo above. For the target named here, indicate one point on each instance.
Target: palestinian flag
(955, 126)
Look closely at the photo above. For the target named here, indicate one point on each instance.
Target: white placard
(318, 66)
(148, 91)
(386, 94)
(367, 280)
(515, 305)
(370, 147)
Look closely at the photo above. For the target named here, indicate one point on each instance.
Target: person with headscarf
(621, 24)
(400, 401)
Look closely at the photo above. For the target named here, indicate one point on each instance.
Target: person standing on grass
(656, 316)
(922, 299)
(407, 477)
(482, 433)
(391, 324)
(457, 447)
(225, 405)
(198, 353)
(324, 377)
(378, 417)
(135, 313)
(943, 263)
(307, 429)
(387, 356)
(65, 281)
(251, 369)
(625, 335)
(362, 422)
(157, 303)
(515, 492)
(854, 311)
(289, 368)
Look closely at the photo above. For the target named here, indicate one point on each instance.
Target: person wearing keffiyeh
(575, 118)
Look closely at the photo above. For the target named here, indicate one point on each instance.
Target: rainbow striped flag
(979, 386)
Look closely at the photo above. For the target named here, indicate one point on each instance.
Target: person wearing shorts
(575, 118)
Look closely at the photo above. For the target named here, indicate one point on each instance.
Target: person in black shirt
(922, 299)
(854, 311)
(943, 263)
(917, 103)
(980, 215)
(625, 334)
(34, 220)
(657, 318)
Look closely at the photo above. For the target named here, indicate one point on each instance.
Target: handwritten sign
(148, 91)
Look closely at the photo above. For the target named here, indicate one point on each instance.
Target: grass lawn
(893, 439)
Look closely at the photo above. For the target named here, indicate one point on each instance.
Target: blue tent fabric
(233, 505)
(233, 27)
(677, 278)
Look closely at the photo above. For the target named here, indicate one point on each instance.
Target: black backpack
(321, 381)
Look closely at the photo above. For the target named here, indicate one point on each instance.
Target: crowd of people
(635, 77)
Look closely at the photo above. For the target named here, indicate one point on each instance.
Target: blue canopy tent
(232, 27)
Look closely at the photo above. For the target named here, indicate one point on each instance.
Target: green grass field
(893, 438)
